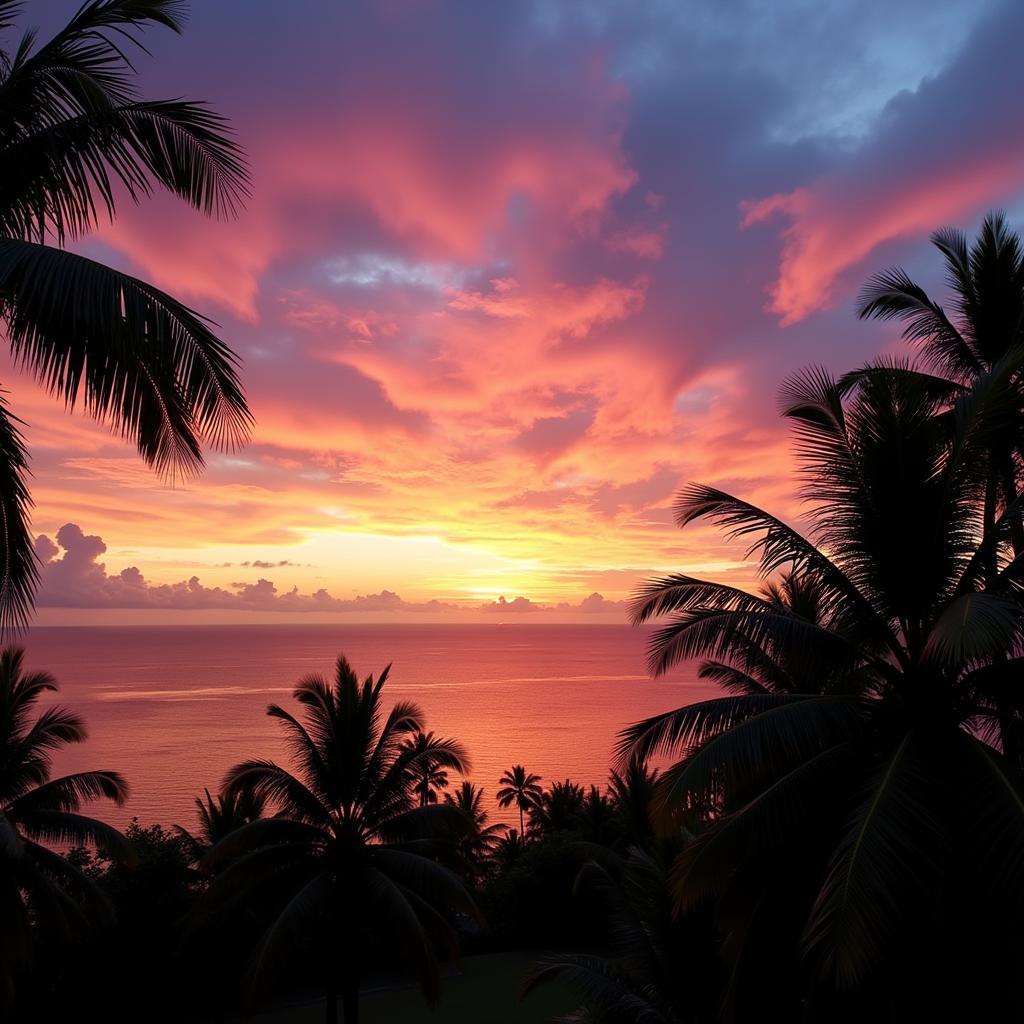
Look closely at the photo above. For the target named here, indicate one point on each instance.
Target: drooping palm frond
(64, 173)
(74, 138)
(135, 357)
(72, 126)
(892, 295)
(19, 569)
(759, 749)
(883, 870)
(687, 727)
(705, 868)
(69, 792)
(975, 626)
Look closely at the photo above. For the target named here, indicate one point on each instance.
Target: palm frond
(775, 816)
(973, 626)
(892, 295)
(63, 172)
(137, 358)
(290, 929)
(54, 826)
(19, 568)
(69, 792)
(883, 869)
(760, 749)
(278, 786)
(694, 724)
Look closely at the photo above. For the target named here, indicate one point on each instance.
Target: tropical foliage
(432, 757)
(519, 787)
(972, 358)
(75, 135)
(851, 791)
(478, 840)
(349, 861)
(44, 895)
(219, 816)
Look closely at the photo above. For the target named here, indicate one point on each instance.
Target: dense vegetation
(838, 837)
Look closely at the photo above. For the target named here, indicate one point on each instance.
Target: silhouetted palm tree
(219, 816)
(559, 808)
(509, 849)
(874, 804)
(598, 821)
(433, 757)
(349, 858)
(73, 133)
(478, 839)
(632, 792)
(521, 788)
(976, 353)
(978, 350)
(39, 888)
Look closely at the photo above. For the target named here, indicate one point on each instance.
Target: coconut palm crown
(349, 859)
(75, 137)
(868, 813)
(519, 787)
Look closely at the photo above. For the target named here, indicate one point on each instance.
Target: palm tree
(870, 817)
(349, 859)
(632, 792)
(73, 132)
(509, 849)
(430, 772)
(559, 808)
(976, 357)
(479, 840)
(40, 889)
(978, 350)
(219, 816)
(521, 788)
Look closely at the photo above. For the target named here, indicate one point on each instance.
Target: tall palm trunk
(520, 817)
(331, 1001)
(350, 996)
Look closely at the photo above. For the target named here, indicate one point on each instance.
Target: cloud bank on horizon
(73, 577)
(512, 273)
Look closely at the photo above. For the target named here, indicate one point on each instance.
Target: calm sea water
(173, 707)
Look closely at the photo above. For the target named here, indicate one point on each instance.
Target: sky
(510, 275)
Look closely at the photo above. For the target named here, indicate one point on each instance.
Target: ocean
(173, 707)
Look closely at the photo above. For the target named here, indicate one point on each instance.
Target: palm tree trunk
(350, 996)
(520, 820)
(331, 1001)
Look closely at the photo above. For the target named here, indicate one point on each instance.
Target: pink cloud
(836, 223)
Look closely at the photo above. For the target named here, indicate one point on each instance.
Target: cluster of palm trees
(332, 861)
(853, 804)
(847, 819)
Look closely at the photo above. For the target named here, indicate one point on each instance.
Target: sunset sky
(512, 273)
